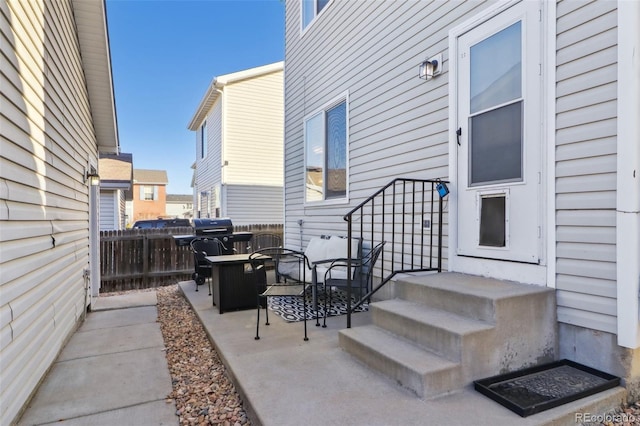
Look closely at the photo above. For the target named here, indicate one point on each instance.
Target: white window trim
(323, 109)
(304, 29)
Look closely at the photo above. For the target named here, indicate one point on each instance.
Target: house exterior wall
(253, 133)
(586, 148)
(208, 169)
(112, 210)
(149, 209)
(242, 170)
(248, 205)
(108, 210)
(48, 142)
(398, 127)
(180, 208)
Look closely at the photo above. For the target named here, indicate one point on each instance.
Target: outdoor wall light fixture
(92, 176)
(431, 67)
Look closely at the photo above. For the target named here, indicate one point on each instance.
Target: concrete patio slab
(284, 380)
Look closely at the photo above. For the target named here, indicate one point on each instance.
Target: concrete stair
(442, 331)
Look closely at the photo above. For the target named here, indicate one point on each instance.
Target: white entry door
(499, 137)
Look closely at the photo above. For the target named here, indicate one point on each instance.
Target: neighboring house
(149, 194)
(116, 177)
(57, 113)
(179, 206)
(532, 111)
(239, 145)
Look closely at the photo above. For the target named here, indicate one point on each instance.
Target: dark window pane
(492, 221)
(496, 145)
(322, 4)
(336, 157)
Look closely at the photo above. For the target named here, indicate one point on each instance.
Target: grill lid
(217, 226)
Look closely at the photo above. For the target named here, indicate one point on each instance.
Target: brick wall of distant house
(149, 209)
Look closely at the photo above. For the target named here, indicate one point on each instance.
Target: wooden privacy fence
(145, 258)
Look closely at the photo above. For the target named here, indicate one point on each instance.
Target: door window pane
(337, 151)
(496, 69)
(492, 221)
(496, 145)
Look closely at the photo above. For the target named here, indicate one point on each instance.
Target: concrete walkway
(284, 380)
(113, 370)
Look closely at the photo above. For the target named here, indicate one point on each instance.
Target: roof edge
(213, 91)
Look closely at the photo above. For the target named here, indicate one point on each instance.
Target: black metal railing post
(380, 234)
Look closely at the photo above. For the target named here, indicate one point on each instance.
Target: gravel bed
(626, 415)
(202, 392)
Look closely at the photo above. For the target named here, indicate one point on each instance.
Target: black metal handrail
(403, 214)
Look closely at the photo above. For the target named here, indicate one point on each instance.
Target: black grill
(218, 228)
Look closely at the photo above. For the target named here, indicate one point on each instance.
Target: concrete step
(415, 368)
(470, 296)
(450, 335)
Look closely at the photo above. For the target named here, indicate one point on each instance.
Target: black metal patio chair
(261, 241)
(202, 247)
(362, 276)
(289, 279)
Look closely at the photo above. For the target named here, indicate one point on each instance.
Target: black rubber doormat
(541, 388)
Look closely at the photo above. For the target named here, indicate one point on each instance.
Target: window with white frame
(148, 192)
(311, 9)
(203, 140)
(326, 144)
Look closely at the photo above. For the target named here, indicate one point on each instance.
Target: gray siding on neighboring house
(112, 210)
(208, 171)
(586, 130)
(254, 204)
(397, 122)
(48, 139)
(108, 211)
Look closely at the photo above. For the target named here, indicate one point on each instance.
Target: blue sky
(164, 54)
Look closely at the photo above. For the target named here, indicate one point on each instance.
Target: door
(499, 137)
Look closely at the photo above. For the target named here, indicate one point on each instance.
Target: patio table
(234, 283)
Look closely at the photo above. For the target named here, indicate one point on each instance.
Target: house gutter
(628, 176)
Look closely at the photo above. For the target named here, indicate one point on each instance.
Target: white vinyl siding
(112, 210)
(586, 164)
(251, 204)
(47, 142)
(398, 123)
(243, 169)
(108, 210)
(208, 170)
(253, 135)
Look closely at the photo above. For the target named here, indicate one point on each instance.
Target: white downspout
(628, 176)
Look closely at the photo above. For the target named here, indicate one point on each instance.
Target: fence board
(144, 258)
